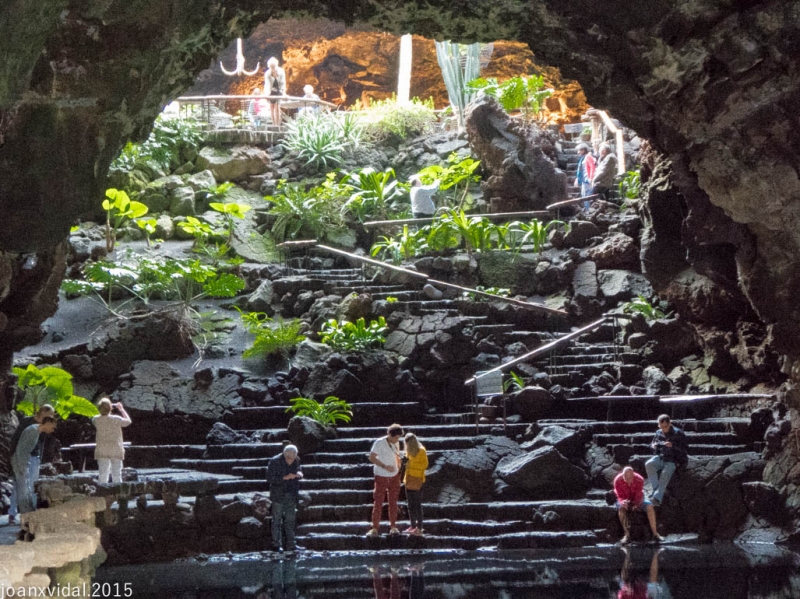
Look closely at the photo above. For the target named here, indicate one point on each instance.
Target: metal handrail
(548, 346)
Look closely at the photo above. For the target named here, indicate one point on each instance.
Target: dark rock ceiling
(711, 83)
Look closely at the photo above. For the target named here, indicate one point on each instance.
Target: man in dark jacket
(670, 449)
(283, 476)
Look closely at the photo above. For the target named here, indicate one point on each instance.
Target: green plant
(218, 192)
(308, 212)
(517, 93)
(199, 229)
(321, 138)
(387, 122)
(119, 208)
(403, 247)
(148, 225)
(451, 176)
(229, 212)
(459, 63)
(535, 232)
(373, 192)
(271, 337)
(53, 386)
(514, 383)
(475, 231)
(644, 307)
(327, 413)
(391, 300)
(358, 336)
(498, 291)
(631, 185)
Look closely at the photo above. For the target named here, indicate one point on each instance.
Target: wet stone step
(572, 514)
(364, 414)
(433, 527)
(527, 540)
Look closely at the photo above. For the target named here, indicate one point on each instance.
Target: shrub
(386, 121)
(450, 177)
(373, 194)
(321, 138)
(535, 232)
(170, 141)
(631, 185)
(54, 386)
(329, 412)
(517, 93)
(299, 212)
(272, 337)
(348, 336)
(403, 247)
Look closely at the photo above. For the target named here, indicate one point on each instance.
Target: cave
(709, 86)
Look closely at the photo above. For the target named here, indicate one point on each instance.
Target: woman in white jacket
(109, 451)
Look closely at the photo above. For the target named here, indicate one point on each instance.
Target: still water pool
(679, 572)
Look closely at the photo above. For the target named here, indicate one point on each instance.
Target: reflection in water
(642, 572)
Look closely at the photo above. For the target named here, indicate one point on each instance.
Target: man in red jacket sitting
(629, 489)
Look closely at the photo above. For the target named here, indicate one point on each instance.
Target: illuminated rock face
(713, 86)
(348, 65)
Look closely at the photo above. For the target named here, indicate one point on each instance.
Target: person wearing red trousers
(386, 457)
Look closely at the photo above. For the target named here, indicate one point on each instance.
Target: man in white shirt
(422, 205)
(385, 456)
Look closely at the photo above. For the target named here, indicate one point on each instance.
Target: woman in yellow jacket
(414, 479)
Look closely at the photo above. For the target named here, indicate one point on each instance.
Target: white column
(404, 72)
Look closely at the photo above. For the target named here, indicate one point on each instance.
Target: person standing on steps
(20, 461)
(629, 489)
(109, 450)
(603, 179)
(35, 459)
(386, 457)
(284, 476)
(585, 172)
(414, 479)
(670, 448)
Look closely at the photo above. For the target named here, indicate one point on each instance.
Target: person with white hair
(629, 489)
(283, 476)
(606, 170)
(310, 107)
(274, 85)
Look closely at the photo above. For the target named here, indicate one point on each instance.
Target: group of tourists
(28, 445)
(275, 85)
(596, 176)
(393, 467)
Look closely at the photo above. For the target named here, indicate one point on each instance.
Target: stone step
(624, 452)
(574, 514)
(710, 425)
(523, 540)
(364, 414)
(432, 527)
(695, 440)
(311, 470)
(482, 331)
(140, 456)
(423, 431)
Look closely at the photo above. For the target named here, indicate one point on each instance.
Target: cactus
(459, 63)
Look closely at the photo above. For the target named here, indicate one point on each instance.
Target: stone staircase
(337, 488)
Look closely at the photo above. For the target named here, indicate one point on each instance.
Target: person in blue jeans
(670, 448)
(35, 459)
(20, 462)
(283, 476)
